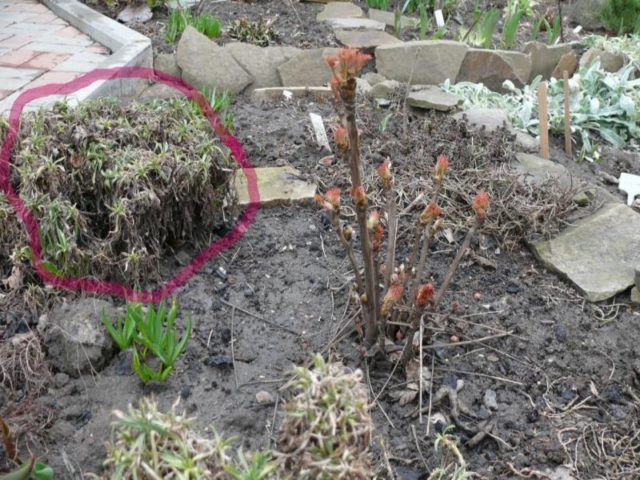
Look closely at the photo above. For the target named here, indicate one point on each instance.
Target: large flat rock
(307, 68)
(545, 58)
(364, 39)
(277, 186)
(356, 23)
(599, 254)
(426, 62)
(340, 10)
(493, 67)
(280, 93)
(205, 64)
(389, 18)
(261, 62)
(433, 98)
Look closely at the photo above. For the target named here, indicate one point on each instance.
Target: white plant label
(321, 134)
(439, 18)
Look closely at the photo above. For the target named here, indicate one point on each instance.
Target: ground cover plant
(604, 106)
(622, 16)
(114, 186)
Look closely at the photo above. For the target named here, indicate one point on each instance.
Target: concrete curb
(129, 49)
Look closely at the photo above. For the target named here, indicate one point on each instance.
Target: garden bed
(552, 380)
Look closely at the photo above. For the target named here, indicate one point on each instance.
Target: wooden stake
(544, 120)
(567, 114)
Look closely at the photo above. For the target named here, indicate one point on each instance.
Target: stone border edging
(129, 48)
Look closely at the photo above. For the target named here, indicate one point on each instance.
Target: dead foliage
(22, 364)
(113, 186)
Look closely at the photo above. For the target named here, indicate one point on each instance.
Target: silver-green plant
(604, 106)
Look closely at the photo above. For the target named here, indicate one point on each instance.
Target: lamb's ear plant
(404, 285)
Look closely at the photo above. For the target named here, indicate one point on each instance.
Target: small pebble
(477, 296)
(264, 398)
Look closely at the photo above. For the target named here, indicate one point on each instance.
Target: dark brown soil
(566, 374)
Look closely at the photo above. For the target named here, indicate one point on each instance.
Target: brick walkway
(37, 47)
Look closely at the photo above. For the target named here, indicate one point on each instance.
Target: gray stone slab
(15, 78)
(544, 58)
(307, 68)
(81, 62)
(340, 10)
(537, 171)
(599, 254)
(388, 18)
(493, 67)
(433, 98)
(205, 64)
(276, 186)
(167, 63)
(428, 62)
(364, 39)
(279, 93)
(261, 62)
(356, 23)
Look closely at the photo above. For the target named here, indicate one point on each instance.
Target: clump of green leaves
(379, 4)
(481, 34)
(622, 16)
(221, 104)
(604, 106)
(112, 186)
(510, 27)
(327, 429)
(204, 23)
(148, 443)
(152, 336)
(260, 32)
(452, 464)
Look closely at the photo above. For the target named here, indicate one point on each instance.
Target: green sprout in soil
(179, 19)
(260, 32)
(153, 337)
(26, 470)
(114, 186)
(452, 464)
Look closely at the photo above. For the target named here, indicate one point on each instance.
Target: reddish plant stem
(335, 223)
(407, 352)
(392, 218)
(348, 94)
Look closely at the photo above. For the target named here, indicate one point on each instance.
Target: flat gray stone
(428, 62)
(307, 68)
(609, 61)
(364, 39)
(599, 254)
(167, 63)
(569, 63)
(587, 12)
(363, 87)
(159, 91)
(261, 62)
(340, 10)
(635, 295)
(545, 58)
(637, 277)
(385, 89)
(276, 186)
(537, 170)
(204, 64)
(373, 78)
(493, 67)
(356, 23)
(279, 93)
(77, 342)
(389, 18)
(433, 98)
(135, 14)
(526, 142)
(489, 118)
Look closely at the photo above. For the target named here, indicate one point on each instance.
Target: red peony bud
(347, 63)
(442, 165)
(424, 295)
(330, 201)
(359, 196)
(378, 233)
(391, 297)
(384, 170)
(430, 213)
(373, 220)
(481, 205)
(341, 138)
(347, 232)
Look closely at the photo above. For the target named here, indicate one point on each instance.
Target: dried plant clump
(327, 429)
(150, 444)
(114, 186)
(260, 32)
(22, 364)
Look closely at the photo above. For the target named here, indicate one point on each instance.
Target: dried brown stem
(392, 216)
(335, 223)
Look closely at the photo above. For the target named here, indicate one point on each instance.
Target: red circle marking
(91, 285)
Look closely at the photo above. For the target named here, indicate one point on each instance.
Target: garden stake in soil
(567, 114)
(544, 120)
